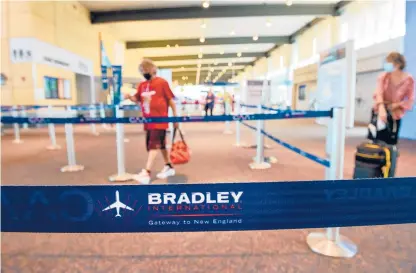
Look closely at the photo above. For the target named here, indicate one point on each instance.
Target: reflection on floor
(214, 159)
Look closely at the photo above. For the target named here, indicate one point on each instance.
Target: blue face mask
(388, 67)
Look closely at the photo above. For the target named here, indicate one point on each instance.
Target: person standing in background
(209, 103)
(155, 98)
(394, 95)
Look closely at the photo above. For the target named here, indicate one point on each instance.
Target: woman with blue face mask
(394, 95)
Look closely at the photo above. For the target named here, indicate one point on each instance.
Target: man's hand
(176, 125)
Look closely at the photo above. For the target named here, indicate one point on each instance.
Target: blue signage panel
(104, 77)
(118, 82)
(207, 207)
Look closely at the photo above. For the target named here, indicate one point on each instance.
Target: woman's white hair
(148, 63)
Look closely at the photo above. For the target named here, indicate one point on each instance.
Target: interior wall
(307, 77)
(64, 24)
(43, 70)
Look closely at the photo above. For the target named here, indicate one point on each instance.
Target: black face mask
(147, 76)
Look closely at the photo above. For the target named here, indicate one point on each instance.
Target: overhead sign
(28, 50)
(256, 91)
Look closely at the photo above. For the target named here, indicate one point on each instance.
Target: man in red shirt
(155, 98)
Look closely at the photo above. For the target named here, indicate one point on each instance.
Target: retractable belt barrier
(135, 120)
(208, 207)
(312, 157)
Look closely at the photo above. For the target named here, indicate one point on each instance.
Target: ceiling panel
(152, 4)
(217, 27)
(189, 50)
(216, 68)
(204, 61)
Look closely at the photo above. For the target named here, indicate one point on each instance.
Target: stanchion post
(259, 163)
(227, 111)
(238, 111)
(331, 243)
(52, 134)
(102, 115)
(121, 169)
(24, 115)
(93, 115)
(70, 148)
(17, 139)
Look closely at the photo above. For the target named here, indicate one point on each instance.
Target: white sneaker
(143, 177)
(166, 172)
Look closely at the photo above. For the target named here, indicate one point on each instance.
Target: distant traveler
(394, 95)
(209, 103)
(155, 97)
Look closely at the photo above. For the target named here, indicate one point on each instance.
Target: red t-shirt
(154, 96)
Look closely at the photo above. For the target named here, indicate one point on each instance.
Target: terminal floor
(214, 159)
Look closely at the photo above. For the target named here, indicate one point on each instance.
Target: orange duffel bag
(179, 153)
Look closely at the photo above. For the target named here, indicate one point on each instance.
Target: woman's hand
(382, 113)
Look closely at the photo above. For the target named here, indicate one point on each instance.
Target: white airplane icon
(118, 205)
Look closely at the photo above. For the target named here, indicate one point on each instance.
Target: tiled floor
(214, 159)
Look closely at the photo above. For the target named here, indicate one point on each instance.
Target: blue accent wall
(408, 129)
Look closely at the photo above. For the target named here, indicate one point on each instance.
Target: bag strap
(180, 133)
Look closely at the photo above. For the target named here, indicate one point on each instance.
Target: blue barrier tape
(135, 120)
(208, 207)
(312, 157)
(248, 106)
(269, 108)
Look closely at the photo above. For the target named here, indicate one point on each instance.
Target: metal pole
(52, 135)
(70, 148)
(93, 115)
(121, 170)
(331, 243)
(24, 115)
(227, 111)
(17, 139)
(238, 125)
(259, 162)
(102, 115)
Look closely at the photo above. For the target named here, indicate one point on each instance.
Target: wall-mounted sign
(28, 50)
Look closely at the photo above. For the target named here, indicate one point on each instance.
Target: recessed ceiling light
(212, 69)
(203, 24)
(222, 52)
(176, 45)
(230, 64)
(199, 65)
(168, 46)
(202, 39)
(183, 78)
(232, 33)
(289, 2)
(255, 37)
(239, 54)
(200, 55)
(205, 4)
(268, 23)
(225, 69)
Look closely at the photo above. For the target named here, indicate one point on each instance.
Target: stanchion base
(95, 133)
(254, 146)
(72, 168)
(343, 248)
(240, 145)
(260, 166)
(53, 147)
(126, 140)
(121, 177)
(270, 159)
(17, 141)
(228, 132)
